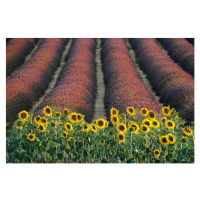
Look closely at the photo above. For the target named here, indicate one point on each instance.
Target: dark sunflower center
(30, 136)
(131, 110)
(151, 114)
(156, 152)
(144, 111)
(155, 123)
(121, 137)
(65, 111)
(147, 123)
(64, 134)
(170, 124)
(86, 127)
(74, 117)
(115, 119)
(44, 120)
(68, 126)
(79, 117)
(171, 139)
(164, 140)
(93, 127)
(48, 110)
(100, 123)
(144, 128)
(163, 120)
(134, 126)
(23, 115)
(37, 118)
(41, 127)
(121, 127)
(53, 124)
(166, 110)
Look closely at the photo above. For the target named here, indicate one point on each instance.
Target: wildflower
(65, 111)
(79, 117)
(145, 128)
(41, 127)
(68, 126)
(151, 114)
(164, 139)
(73, 117)
(163, 119)
(135, 127)
(114, 119)
(156, 152)
(43, 121)
(166, 111)
(71, 139)
(146, 122)
(19, 123)
(121, 128)
(23, 115)
(169, 124)
(58, 114)
(37, 119)
(93, 128)
(171, 138)
(184, 139)
(31, 137)
(106, 122)
(86, 128)
(121, 137)
(47, 111)
(155, 123)
(130, 123)
(113, 111)
(65, 134)
(130, 110)
(100, 123)
(187, 131)
(144, 111)
(53, 124)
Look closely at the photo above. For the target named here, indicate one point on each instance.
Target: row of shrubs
(181, 51)
(27, 84)
(123, 84)
(169, 80)
(76, 85)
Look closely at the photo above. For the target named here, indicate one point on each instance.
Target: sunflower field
(146, 114)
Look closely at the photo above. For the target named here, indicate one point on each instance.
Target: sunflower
(79, 117)
(58, 114)
(47, 111)
(113, 111)
(93, 127)
(100, 123)
(130, 111)
(19, 123)
(73, 117)
(114, 119)
(169, 124)
(164, 139)
(68, 126)
(171, 138)
(65, 134)
(23, 115)
(163, 119)
(53, 124)
(144, 111)
(66, 111)
(184, 139)
(135, 127)
(155, 123)
(147, 122)
(106, 122)
(86, 128)
(37, 119)
(121, 137)
(71, 139)
(41, 127)
(145, 128)
(43, 121)
(187, 131)
(31, 137)
(156, 152)
(151, 114)
(130, 123)
(121, 128)
(166, 111)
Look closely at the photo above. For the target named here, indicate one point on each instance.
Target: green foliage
(102, 146)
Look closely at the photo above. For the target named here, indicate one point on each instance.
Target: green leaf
(60, 156)
(7, 124)
(104, 160)
(129, 160)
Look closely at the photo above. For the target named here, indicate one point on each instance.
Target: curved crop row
(175, 86)
(181, 51)
(123, 85)
(16, 51)
(75, 88)
(30, 81)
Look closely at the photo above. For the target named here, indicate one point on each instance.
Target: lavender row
(123, 84)
(174, 85)
(27, 84)
(181, 51)
(76, 86)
